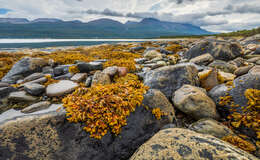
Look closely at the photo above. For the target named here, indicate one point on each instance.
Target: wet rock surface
(177, 143)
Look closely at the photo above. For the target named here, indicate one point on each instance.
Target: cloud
(213, 15)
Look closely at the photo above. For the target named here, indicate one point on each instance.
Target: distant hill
(101, 28)
(244, 33)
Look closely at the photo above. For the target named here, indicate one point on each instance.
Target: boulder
(204, 59)
(177, 143)
(222, 50)
(100, 78)
(23, 68)
(243, 70)
(152, 54)
(34, 89)
(88, 67)
(140, 60)
(36, 107)
(170, 78)
(2, 84)
(211, 127)
(79, 77)
(239, 62)
(52, 137)
(255, 70)
(21, 96)
(253, 60)
(111, 71)
(240, 85)
(223, 66)
(194, 102)
(61, 88)
(251, 40)
(257, 51)
(156, 99)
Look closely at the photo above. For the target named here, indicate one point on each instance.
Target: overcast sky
(213, 15)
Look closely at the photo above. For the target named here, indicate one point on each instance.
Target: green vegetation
(244, 33)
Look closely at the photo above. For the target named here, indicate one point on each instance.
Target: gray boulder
(23, 68)
(87, 67)
(194, 102)
(21, 96)
(170, 78)
(52, 137)
(177, 143)
(211, 127)
(222, 50)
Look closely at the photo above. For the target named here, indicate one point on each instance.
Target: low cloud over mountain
(213, 15)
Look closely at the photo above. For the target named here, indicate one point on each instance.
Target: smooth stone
(79, 77)
(179, 144)
(204, 59)
(33, 76)
(88, 67)
(243, 70)
(61, 88)
(223, 66)
(100, 78)
(34, 89)
(211, 127)
(21, 96)
(36, 107)
(62, 69)
(111, 71)
(194, 102)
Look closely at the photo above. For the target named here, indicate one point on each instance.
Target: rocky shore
(180, 99)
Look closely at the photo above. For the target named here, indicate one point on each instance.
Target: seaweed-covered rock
(156, 99)
(211, 127)
(222, 50)
(23, 68)
(52, 137)
(170, 78)
(236, 92)
(194, 102)
(177, 143)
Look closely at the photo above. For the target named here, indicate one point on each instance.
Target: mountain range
(101, 28)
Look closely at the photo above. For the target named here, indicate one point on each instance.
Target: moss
(104, 108)
(240, 143)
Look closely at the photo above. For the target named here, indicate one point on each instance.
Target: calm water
(10, 44)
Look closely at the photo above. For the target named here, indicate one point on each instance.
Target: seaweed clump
(240, 143)
(104, 108)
